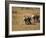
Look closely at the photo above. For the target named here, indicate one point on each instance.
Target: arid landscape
(18, 23)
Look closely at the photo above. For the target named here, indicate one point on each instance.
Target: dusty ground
(18, 23)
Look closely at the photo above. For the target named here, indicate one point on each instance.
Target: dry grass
(18, 23)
